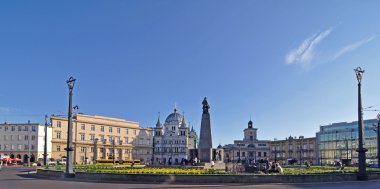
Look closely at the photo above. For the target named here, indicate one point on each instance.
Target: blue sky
(287, 64)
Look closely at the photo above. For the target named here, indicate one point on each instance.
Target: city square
(177, 94)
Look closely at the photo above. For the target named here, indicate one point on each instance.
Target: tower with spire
(250, 133)
(250, 149)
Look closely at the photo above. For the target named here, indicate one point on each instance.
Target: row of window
(110, 139)
(290, 147)
(170, 149)
(304, 154)
(92, 127)
(19, 128)
(105, 150)
(16, 147)
(18, 137)
(171, 142)
(251, 154)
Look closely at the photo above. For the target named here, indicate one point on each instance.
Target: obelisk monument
(205, 140)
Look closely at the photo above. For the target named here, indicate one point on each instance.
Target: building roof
(174, 118)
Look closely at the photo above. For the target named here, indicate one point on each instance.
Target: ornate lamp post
(362, 175)
(69, 149)
(45, 147)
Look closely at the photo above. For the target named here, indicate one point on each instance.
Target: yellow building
(98, 137)
(294, 151)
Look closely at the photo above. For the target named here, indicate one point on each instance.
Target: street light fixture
(69, 149)
(45, 147)
(362, 175)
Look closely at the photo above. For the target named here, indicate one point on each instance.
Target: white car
(52, 163)
(61, 162)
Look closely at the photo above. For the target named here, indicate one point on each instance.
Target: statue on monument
(205, 105)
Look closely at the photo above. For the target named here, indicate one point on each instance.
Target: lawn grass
(323, 170)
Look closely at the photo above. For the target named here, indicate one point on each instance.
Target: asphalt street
(24, 178)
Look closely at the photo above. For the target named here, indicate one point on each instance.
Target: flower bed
(145, 170)
(200, 171)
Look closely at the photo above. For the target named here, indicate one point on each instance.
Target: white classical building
(23, 140)
(173, 141)
(249, 150)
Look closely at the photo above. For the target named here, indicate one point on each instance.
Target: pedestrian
(338, 165)
(278, 168)
(212, 164)
(272, 167)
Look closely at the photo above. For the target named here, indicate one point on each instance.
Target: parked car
(373, 166)
(52, 163)
(61, 162)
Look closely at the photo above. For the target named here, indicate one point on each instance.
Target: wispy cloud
(5, 110)
(304, 54)
(353, 46)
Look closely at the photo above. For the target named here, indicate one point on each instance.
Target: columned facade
(99, 137)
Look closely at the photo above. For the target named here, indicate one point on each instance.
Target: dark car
(373, 166)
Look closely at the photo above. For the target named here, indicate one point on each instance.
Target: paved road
(18, 178)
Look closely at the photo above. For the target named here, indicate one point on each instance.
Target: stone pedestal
(205, 140)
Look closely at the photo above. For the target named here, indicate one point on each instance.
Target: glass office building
(339, 141)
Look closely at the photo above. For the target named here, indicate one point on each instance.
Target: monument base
(217, 166)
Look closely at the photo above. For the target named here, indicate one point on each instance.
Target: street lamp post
(362, 175)
(45, 147)
(300, 149)
(85, 155)
(69, 149)
(113, 152)
(95, 150)
(275, 154)
(377, 129)
(28, 149)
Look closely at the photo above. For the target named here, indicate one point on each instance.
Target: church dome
(174, 118)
